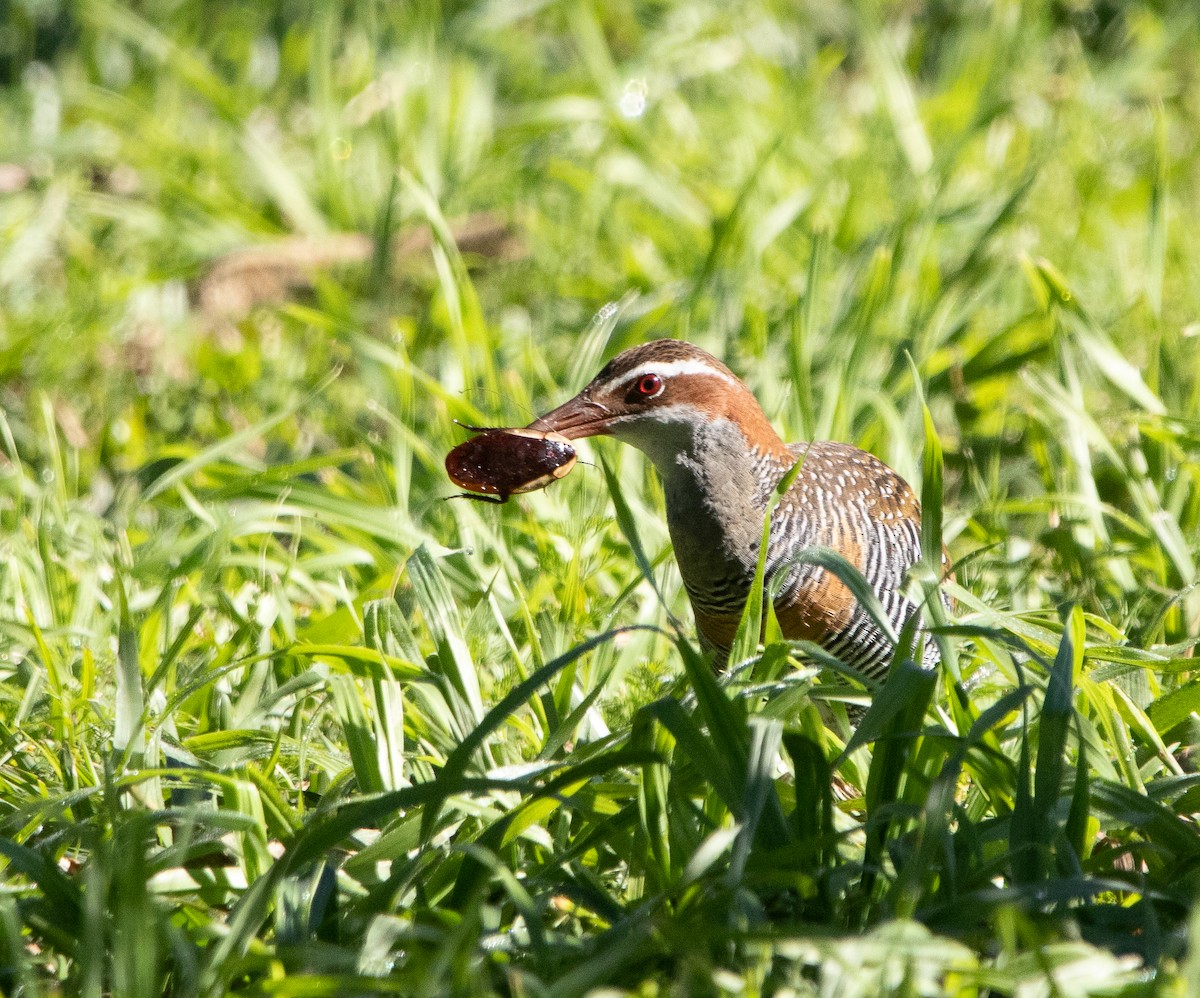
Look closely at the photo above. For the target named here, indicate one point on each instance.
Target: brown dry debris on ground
(269, 273)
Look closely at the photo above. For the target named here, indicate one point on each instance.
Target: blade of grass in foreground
(628, 525)
(453, 659)
(750, 627)
(324, 830)
(762, 808)
(894, 722)
(456, 764)
(1033, 831)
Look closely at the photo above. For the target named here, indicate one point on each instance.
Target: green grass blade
(1057, 711)
(724, 717)
(746, 639)
(181, 472)
(442, 617)
(360, 738)
(762, 812)
(128, 734)
(459, 760)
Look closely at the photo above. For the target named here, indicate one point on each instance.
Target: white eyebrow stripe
(667, 369)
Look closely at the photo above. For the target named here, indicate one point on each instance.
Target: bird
(720, 460)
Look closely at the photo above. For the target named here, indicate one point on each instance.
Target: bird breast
(716, 487)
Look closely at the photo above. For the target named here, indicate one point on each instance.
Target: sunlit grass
(276, 717)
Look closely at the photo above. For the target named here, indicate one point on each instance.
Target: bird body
(720, 460)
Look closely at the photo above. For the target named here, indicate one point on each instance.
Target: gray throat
(716, 491)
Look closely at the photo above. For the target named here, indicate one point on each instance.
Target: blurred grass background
(274, 718)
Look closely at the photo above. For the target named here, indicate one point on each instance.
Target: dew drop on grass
(607, 311)
(632, 103)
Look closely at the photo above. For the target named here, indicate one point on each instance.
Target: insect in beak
(505, 461)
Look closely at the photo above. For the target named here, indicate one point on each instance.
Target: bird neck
(717, 471)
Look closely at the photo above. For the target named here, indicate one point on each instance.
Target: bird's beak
(580, 417)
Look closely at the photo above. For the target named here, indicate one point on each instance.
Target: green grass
(276, 719)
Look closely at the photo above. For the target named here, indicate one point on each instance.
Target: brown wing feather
(848, 500)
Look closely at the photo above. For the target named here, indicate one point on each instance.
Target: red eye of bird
(648, 385)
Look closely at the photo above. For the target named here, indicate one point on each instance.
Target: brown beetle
(503, 461)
